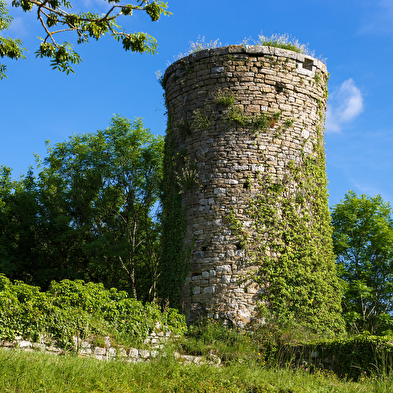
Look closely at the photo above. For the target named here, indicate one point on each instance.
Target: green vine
(289, 241)
(174, 256)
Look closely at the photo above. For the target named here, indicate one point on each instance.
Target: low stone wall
(83, 348)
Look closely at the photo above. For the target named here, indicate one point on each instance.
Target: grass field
(26, 372)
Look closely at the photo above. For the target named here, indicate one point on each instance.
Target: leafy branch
(11, 48)
(55, 18)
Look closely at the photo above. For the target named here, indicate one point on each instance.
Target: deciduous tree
(363, 243)
(110, 183)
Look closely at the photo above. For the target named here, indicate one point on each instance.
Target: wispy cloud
(344, 106)
(95, 4)
(378, 18)
(371, 188)
(19, 26)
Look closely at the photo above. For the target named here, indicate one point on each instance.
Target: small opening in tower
(307, 64)
(279, 87)
(238, 246)
(204, 248)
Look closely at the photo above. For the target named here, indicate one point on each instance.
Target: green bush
(74, 308)
(351, 358)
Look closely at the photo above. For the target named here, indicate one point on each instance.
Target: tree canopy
(109, 182)
(363, 243)
(56, 18)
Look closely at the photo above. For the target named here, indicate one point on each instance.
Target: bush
(350, 358)
(74, 308)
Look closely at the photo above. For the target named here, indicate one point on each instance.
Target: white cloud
(344, 106)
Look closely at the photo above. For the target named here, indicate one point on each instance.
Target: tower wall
(214, 100)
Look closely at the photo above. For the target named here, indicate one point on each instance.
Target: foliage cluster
(73, 308)
(224, 98)
(201, 120)
(259, 123)
(188, 176)
(56, 18)
(89, 214)
(200, 44)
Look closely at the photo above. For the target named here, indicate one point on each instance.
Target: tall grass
(26, 372)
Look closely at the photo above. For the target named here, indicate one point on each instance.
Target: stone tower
(227, 108)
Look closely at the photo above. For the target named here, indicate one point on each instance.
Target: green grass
(36, 372)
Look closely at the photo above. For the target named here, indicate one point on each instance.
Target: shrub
(74, 308)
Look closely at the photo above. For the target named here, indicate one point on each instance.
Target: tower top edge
(245, 50)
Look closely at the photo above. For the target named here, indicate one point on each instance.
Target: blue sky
(355, 37)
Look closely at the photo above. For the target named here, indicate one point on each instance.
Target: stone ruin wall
(227, 155)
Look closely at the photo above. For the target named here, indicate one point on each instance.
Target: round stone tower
(235, 114)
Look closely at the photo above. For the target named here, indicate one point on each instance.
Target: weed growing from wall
(224, 98)
(187, 177)
(284, 41)
(201, 121)
(236, 115)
